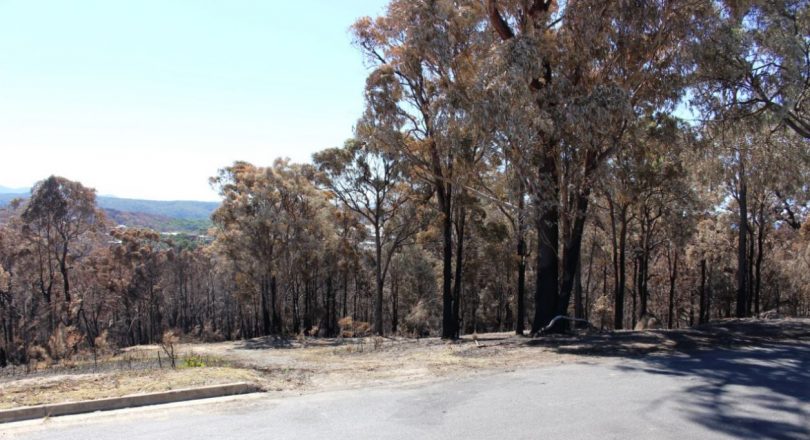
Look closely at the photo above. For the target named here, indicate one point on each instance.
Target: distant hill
(163, 216)
(5, 198)
(182, 209)
(7, 190)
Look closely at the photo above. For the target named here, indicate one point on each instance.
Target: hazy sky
(148, 98)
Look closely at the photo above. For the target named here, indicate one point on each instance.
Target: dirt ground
(302, 365)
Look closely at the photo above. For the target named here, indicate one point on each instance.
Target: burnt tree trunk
(345, 293)
(571, 255)
(619, 259)
(635, 290)
(307, 307)
(579, 307)
(587, 299)
(378, 297)
(546, 287)
(749, 295)
(265, 311)
(520, 308)
(709, 294)
(742, 263)
(548, 237)
(394, 303)
(330, 319)
(641, 283)
(673, 274)
(703, 313)
(63, 269)
(449, 322)
(457, 292)
(273, 305)
(760, 251)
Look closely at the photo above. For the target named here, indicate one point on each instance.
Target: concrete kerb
(63, 409)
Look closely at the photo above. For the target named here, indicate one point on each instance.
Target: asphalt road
(759, 392)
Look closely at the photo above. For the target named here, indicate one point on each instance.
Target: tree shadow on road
(773, 404)
(754, 380)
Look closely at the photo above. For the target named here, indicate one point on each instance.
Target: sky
(148, 98)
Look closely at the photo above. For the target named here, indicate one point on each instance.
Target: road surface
(754, 392)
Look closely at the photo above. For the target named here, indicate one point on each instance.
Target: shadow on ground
(265, 343)
(776, 377)
(282, 342)
(754, 376)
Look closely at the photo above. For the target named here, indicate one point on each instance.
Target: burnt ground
(304, 365)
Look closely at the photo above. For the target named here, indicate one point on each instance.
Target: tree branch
(497, 21)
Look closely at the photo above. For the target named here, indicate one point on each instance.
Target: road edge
(131, 401)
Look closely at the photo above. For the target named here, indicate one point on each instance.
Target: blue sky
(149, 98)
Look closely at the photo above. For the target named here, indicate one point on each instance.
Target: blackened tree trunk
(547, 285)
(330, 320)
(587, 290)
(673, 274)
(520, 307)
(635, 290)
(63, 269)
(572, 251)
(394, 303)
(277, 321)
(307, 307)
(296, 308)
(619, 259)
(378, 298)
(742, 263)
(449, 322)
(644, 258)
(579, 307)
(355, 305)
(345, 293)
(265, 311)
(760, 250)
(703, 314)
(448, 318)
(749, 295)
(709, 292)
(457, 291)
(691, 307)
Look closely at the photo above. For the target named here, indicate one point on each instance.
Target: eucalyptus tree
(266, 212)
(371, 182)
(58, 215)
(19, 306)
(506, 190)
(587, 78)
(351, 234)
(142, 256)
(760, 175)
(754, 58)
(424, 57)
(664, 201)
(753, 75)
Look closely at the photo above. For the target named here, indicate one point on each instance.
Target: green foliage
(194, 361)
(160, 223)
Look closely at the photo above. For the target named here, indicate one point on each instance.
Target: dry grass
(72, 388)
